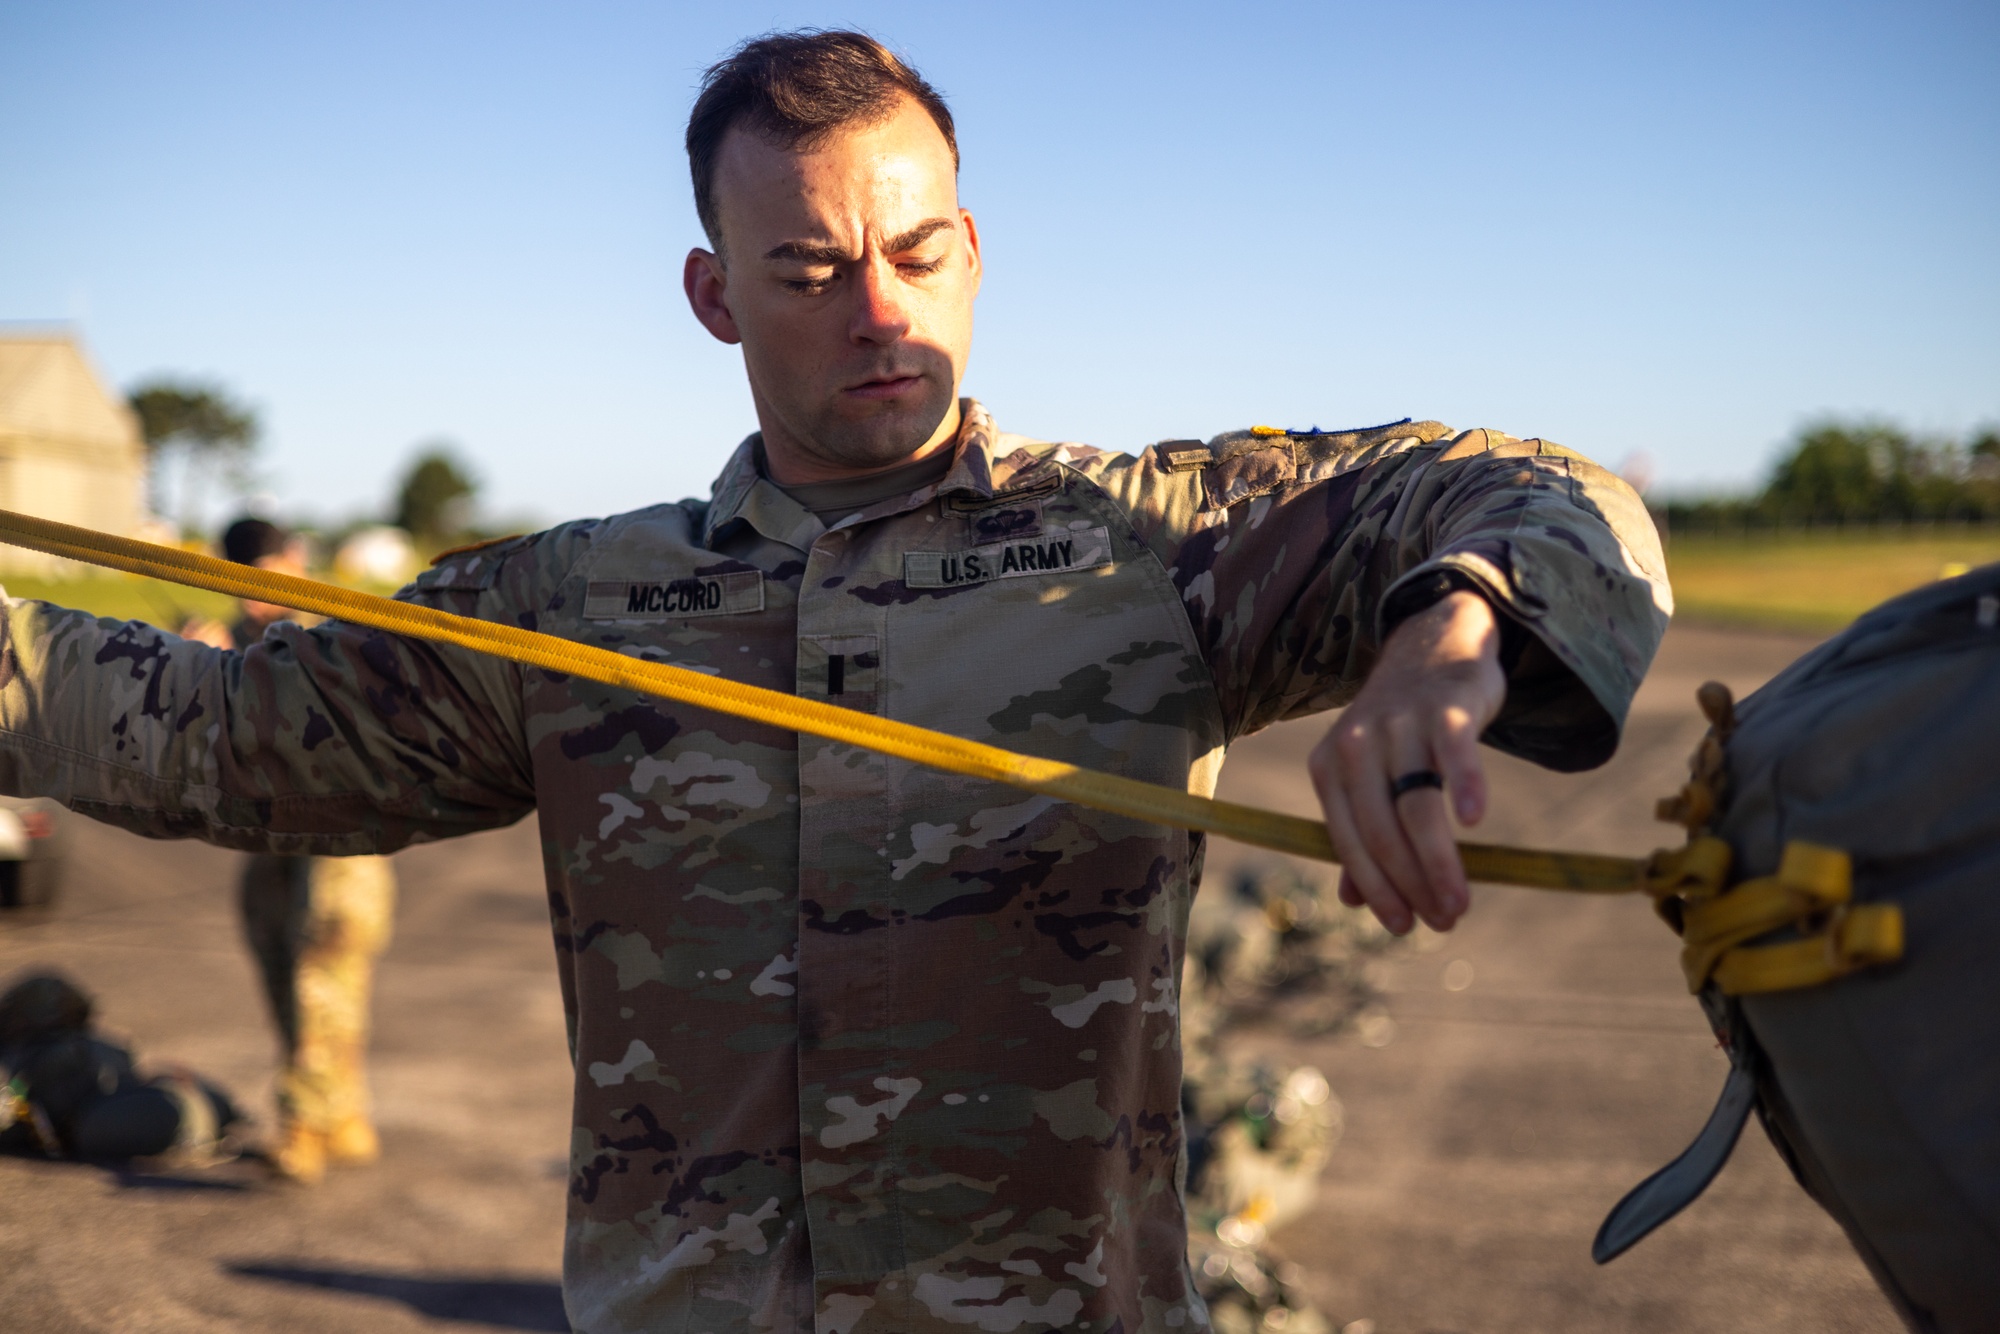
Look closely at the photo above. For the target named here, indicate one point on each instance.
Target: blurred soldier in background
(316, 925)
(66, 1090)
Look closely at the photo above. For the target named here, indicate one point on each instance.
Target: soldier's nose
(880, 316)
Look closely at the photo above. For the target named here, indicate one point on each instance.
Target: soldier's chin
(883, 438)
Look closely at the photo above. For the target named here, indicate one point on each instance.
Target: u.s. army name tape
(1087, 787)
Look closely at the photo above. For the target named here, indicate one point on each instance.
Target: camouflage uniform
(861, 1046)
(315, 926)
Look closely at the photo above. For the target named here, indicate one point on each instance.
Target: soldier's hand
(1437, 685)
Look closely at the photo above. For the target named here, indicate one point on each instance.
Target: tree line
(1861, 472)
(208, 433)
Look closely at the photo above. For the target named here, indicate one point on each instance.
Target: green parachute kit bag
(1877, 1076)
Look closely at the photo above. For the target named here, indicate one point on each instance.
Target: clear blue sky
(1678, 229)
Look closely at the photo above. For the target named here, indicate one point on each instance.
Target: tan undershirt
(831, 502)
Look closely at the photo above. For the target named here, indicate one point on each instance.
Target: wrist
(1460, 627)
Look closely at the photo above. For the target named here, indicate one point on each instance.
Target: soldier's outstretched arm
(1445, 586)
(331, 739)
(1527, 593)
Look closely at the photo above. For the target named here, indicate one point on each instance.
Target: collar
(980, 469)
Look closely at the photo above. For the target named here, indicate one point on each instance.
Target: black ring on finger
(1415, 779)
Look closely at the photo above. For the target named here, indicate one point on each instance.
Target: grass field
(1813, 581)
(128, 597)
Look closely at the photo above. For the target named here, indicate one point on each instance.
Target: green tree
(434, 502)
(1982, 479)
(1872, 471)
(1861, 472)
(200, 425)
(1839, 471)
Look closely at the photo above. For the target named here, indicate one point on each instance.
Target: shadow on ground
(133, 1178)
(496, 1303)
(141, 1175)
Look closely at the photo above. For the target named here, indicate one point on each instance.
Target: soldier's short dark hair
(249, 540)
(41, 1006)
(795, 89)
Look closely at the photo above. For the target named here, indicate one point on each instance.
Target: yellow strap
(1857, 938)
(1086, 787)
(1810, 880)
(1754, 908)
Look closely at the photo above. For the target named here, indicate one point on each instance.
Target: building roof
(49, 391)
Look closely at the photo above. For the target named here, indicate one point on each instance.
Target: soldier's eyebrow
(917, 235)
(819, 252)
(807, 252)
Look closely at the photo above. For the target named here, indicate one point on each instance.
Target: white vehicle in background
(31, 851)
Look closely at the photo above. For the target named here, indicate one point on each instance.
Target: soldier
(316, 926)
(861, 1046)
(68, 1090)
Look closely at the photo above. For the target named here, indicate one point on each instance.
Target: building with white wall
(70, 447)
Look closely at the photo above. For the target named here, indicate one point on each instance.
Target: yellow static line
(1086, 787)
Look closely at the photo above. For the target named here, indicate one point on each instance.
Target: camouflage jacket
(860, 1046)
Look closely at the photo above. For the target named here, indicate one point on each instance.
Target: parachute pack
(1838, 900)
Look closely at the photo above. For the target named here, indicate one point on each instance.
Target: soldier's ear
(972, 248)
(706, 283)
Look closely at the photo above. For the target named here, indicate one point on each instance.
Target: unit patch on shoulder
(1051, 553)
(1313, 432)
(727, 594)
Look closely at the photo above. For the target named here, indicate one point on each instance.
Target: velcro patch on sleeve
(1185, 455)
(1244, 473)
(729, 594)
(1051, 553)
(470, 569)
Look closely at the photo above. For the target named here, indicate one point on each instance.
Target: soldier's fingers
(1361, 881)
(1429, 831)
(1421, 811)
(1456, 745)
(1426, 872)
(1365, 756)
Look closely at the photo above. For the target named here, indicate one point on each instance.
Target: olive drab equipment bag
(1862, 788)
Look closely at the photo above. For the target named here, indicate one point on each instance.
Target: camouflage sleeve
(331, 739)
(1296, 553)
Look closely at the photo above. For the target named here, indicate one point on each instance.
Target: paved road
(1483, 1142)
